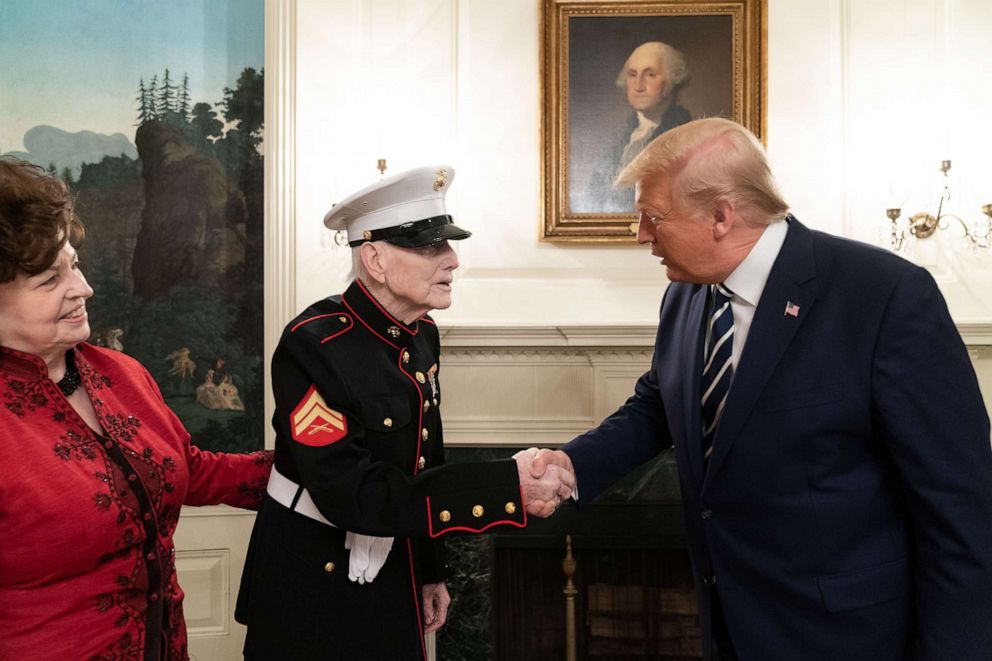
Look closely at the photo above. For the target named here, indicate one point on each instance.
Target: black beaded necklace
(70, 381)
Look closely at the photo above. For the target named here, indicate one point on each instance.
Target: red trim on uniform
(361, 285)
(430, 321)
(364, 323)
(420, 410)
(523, 504)
(416, 599)
(315, 318)
(351, 324)
(506, 522)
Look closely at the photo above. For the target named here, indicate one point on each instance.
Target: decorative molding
(517, 431)
(280, 179)
(845, 117)
(191, 512)
(206, 608)
(543, 356)
(976, 333)
(549, 336)
(453, 339)
(514, 355)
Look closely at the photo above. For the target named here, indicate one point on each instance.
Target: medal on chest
(432, 378)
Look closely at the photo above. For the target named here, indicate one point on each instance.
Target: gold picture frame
(588, 107)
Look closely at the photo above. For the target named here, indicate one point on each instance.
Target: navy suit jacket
(846, 511)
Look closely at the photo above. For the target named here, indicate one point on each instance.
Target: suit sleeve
(376, 498)
(932, 417)
(635, 433)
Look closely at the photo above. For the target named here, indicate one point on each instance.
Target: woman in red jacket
(95, 466)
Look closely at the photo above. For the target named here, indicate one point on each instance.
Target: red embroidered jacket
(87, 562)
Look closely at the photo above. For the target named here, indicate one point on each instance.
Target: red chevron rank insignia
(314, 423)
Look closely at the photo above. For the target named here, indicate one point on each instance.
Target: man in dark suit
(832, 442)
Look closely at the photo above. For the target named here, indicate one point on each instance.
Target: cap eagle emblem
(440, 179)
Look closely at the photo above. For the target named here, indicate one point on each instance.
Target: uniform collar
(369, 312)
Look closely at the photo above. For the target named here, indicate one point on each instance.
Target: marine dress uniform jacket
(358, 425)
(845, 512)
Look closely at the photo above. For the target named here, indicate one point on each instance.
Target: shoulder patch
(316, 424)
(325, 326)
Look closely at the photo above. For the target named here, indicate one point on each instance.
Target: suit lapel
(692, 365)
(791, 281)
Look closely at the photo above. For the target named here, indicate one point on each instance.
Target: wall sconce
(922, 224)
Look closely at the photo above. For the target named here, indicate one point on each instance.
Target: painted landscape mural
(153, 114)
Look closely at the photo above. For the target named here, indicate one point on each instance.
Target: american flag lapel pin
(791, 309)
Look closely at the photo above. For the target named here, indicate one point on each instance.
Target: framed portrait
(618, 74)
(152, 113)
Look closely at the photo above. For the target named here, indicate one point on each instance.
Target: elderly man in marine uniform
(347, 558)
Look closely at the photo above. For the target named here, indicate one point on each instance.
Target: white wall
(863, 98)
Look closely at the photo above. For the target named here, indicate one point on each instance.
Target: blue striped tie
(717, 368)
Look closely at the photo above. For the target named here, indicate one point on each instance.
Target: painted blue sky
(75, 65)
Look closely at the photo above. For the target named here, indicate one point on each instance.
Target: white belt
(283, 491)
(367, 554)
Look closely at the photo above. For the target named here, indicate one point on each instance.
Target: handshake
(546, 479)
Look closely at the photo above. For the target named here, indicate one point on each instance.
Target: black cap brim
(430, 236)
(416, 234)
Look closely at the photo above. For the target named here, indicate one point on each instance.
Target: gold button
(511, 508)
(406, 357)
(388, 422)
(367, 235)
(329, 567)
(445, 516)
(421, 462)
(477, 511)
(427, 405)
(423, 434)
(435, 402)
(420, 377)
(343, 319)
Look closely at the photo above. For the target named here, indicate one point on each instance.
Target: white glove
(368, 555)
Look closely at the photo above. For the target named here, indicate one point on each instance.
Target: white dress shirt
(747, 282)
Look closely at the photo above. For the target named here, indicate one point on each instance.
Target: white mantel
(974, 334)
(542, 385)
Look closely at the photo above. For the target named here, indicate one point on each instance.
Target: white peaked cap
(406, 209)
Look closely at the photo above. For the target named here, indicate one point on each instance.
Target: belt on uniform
(293, 496)
(367, 554)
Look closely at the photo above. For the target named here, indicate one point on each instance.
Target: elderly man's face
(647, 85)
(419, 279)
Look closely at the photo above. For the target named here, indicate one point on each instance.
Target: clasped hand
(546, 478)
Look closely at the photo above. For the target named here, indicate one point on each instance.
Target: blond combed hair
(708, 162)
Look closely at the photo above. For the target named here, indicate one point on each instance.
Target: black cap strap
(406, 229)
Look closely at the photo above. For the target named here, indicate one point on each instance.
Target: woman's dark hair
(36, 218)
